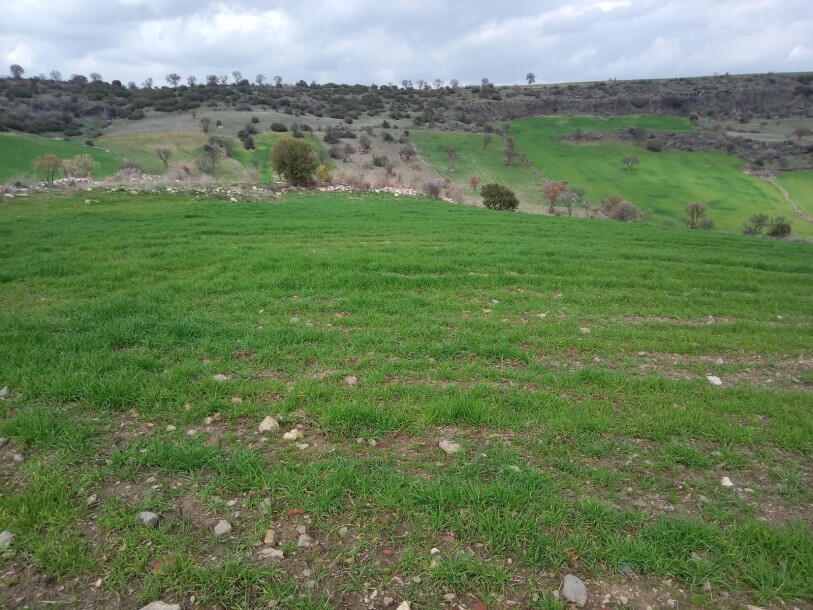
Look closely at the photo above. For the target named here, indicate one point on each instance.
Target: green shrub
(278, 127)
(295, 160)
(778, 227)
(499, 197)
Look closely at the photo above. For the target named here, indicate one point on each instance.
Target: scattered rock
(236, 400)
(627, 570)
(403, 606)
(3, 441)
(148, 519)
(171, 428)
(574, 590)
(304, 540)
(448, 446)
(4, 391)
(351, 380)
(707, 587)
(6, 538)
(714, 380)
(233, 199)
(726, 482)
(343, 531)
(271, 553)
(269, 424)
(372, 442)
(270, 535)
(222, 528)
(294, 320)
(584, 330)
(293, 435)
(161, 606)
(220, 377)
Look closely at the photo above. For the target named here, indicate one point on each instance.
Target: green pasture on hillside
(17, 154)
(663, 182)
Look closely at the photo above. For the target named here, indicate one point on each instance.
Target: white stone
(271, 553)
(161, 606)
(220, 377)
(714, 380)
(403, 606)
(726, 482)
(268, 424)
(448, 446)
(574, 590)
(6, 538)
(222, 528)
(293, 435)
(4, 392)
(148, 519)
(302, 446)
(304, 540)
(171, 428)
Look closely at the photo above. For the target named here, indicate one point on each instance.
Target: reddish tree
(474, 181)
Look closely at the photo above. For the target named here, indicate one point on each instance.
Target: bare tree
(164, 154)
(407, 152)
(95, 77)
(205, 124)
(260, 79)
(420, 83)
(531, 78)
(191, 80)
(147, 84)
(277, 81)
(55, 75)
(238, 76)
(553, 192)
(454, 84)
(173, 79)
(510, 151)
(16, 71)
(451, 153)
(223, 79)
(629, 162)
(438, 83)
(406, 83)
(695, 213)
(211, 79)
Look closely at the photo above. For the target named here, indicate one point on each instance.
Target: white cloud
(369, 41)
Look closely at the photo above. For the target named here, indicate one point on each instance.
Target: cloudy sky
(373, 41)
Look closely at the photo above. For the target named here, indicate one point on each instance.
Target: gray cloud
(365, 41)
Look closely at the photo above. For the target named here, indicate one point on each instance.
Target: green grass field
(473, 159)
(567, 357)
(800, 187)
(17, 154)
(663, 182)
